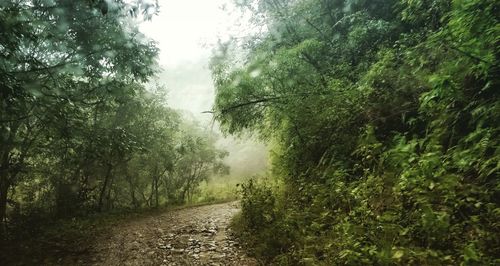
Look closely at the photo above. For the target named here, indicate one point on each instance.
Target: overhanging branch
(270, 99)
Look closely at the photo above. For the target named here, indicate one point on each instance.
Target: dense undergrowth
(384, 118)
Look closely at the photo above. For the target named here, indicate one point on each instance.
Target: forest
(383, 121)
(80, 132)
(381, 118)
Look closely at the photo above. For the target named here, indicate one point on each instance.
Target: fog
(190, 89)
(186, 32)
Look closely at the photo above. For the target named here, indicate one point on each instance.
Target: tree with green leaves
(57, 58)
(382, 119)
(80, 129)
(197, 162)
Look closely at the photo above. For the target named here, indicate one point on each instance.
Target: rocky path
(190, 236)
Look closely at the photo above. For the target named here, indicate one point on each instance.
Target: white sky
(186, 32)
(184, 27)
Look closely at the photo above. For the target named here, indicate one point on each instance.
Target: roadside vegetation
(84, 135)
(383, 119)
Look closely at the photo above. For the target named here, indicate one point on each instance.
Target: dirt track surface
(190, 236)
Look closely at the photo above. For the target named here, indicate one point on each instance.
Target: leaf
(398, 254)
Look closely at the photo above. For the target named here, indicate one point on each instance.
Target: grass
(218, 189)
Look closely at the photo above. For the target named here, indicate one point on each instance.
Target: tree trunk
(167, 191)
(156, 193)
(4, 188)
(152, 193)
(109, 202)
(185, 191)
(183, 196)
(132, 191)
(104, 188)
(5, 170)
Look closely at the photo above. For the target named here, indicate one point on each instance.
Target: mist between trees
(79, 131)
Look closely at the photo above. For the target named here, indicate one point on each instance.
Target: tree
(381, 114)
(198, 160)
(56, 55)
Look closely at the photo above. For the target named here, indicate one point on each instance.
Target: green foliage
(79, 130)
(260, 219)
(384, 119)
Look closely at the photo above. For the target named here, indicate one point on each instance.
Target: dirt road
(190, 236)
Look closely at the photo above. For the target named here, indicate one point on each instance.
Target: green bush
(262, 217)
(384, 121)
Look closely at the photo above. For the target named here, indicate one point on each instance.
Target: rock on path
(190, 236)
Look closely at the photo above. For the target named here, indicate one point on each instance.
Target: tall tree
(56, 53)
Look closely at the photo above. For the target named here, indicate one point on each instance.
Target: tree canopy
(384, 121)
(80, 131)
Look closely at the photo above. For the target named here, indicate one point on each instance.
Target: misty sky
(186, 32)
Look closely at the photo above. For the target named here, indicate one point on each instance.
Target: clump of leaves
(385, 131)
